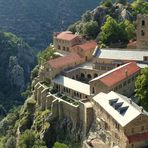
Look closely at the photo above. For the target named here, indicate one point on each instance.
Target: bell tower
(142, 31)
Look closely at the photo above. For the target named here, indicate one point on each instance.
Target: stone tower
(142, 31)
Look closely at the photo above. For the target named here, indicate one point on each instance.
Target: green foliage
(140, 6)
(107, 3)
(129, 29)
(12, 49)
(124, 2)
(113, 32)
(11, 142)
(142, 88)
(90, 29)
(34, 72)
(60, 145)
(27, 139)
(27, 92)
(87, 28)
(87, 16)
(46, 54)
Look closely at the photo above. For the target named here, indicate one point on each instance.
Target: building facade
(142, 31)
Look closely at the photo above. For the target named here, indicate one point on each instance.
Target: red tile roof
(66, 60)
(118, 74)
(89, 45)
(138, 137)
(67, 35)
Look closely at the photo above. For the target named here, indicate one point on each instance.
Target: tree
(107, 3)
(142, 88)
(129, 29)
(124, 2)
(140, 6)
(46, 54)
(87, 16)
(112, 32)
(60, 145)
(90, 29)
(27, 139)
(11, 142)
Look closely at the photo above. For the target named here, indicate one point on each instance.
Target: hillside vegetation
(36, 20)
(16, 61)
(111, 24)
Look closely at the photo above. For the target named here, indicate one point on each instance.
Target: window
(132, 130)
(145, 58)
(142, 33)
(93, 91)
(143, 23)
(59, 47)
(142, 128)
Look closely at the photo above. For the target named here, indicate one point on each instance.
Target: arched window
(143, 23)
(95, 75)
(142, 33)
(89, 76)
(93, 90)
(59, 47)
(82, 75)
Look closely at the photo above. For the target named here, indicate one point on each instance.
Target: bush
(60, 145)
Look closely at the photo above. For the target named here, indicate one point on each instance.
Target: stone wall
(80, 115)
(142, 31)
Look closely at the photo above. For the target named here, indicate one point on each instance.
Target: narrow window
(142, 128)
(93, 90)
(142, 33)
(143, 23)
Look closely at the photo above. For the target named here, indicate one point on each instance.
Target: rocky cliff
(16, 62)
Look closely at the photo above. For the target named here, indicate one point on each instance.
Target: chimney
(141, 108)
(130, 101)
(126, 73)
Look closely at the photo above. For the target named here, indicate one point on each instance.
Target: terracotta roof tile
(89, 45)
(66, 60)
(138, 137)
(118, 74)
(67, 35)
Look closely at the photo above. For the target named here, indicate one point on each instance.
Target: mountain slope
(36, 20)
(16, 61)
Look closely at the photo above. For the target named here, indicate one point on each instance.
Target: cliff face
(16, 61)
(36, 20)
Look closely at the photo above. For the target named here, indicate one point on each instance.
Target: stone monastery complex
(94, 88)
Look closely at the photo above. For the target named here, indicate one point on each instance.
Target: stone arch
(82, 75)
(89, 76)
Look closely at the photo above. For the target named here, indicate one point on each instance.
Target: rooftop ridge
(107, 73)
(133, 104)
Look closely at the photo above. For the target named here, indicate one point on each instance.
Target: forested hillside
(36, 20)
(16, 62)
(111, 23)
